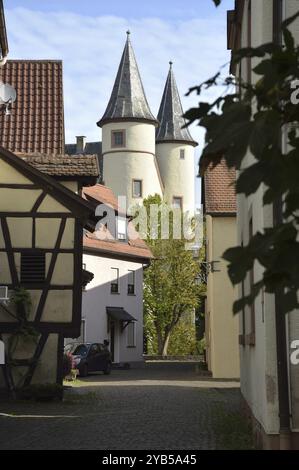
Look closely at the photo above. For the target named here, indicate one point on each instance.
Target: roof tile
(219, 189)
(128, 100)
(36, 122)
(135, 246)
(63, 165)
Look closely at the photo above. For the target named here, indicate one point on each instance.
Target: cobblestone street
(160, 406)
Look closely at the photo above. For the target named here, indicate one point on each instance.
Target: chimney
(80, 144)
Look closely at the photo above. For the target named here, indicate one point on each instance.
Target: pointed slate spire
(128, 101)
(170, 115)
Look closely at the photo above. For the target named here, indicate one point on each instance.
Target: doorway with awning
(118, 320)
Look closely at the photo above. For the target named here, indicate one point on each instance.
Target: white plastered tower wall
(142, 137)
(135, 161)
(177, 173)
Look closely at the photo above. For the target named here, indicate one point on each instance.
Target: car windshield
(80, 350)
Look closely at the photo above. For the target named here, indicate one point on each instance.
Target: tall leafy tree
(170, 289)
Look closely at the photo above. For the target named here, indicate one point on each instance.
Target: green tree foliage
(169, 285)
(183, 339)
(255, 120)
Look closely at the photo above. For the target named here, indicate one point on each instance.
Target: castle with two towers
(141, 155)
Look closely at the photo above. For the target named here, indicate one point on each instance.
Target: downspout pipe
(280, 320)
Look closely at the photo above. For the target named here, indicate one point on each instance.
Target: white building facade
(112, 303)
(117, 285)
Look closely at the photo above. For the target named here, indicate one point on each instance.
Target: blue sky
(169, 9)
(89, 36)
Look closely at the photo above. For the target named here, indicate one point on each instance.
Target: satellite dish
(8, 94)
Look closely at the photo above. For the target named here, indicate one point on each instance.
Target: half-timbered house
(42, 217)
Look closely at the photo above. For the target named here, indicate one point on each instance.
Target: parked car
(90, 357)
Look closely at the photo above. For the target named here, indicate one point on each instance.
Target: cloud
(91, 47)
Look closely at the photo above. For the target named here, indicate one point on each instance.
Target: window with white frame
(131, 335)
(182, 154)
(131, 282)
(114, 281)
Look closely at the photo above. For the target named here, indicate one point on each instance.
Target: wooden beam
(46, 250)
(10, 254)
(44, 295)
(19, 186)
(36, 286)
(60, 348)
(38, 351)
(77, 276)
(38, 202)
(39, 215)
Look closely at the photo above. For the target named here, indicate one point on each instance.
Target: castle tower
(175, 149)
(128, 141)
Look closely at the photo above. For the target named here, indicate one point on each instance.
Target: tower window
(177, 202)
(182, 154)
(118, 138)
(137, 188)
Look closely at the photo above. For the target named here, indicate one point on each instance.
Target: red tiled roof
(75, 203)
(134, 247)
(120, 248)
(218, 194)
(63, 165)
(36, 123)
(102, 194)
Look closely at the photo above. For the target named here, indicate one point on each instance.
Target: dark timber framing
(48, 280)
(79, 210)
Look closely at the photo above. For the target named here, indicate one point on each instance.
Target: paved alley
(166, 406)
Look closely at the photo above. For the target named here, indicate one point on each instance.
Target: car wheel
(84, 371)
(107, 371)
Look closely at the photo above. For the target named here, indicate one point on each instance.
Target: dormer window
(118, 138)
